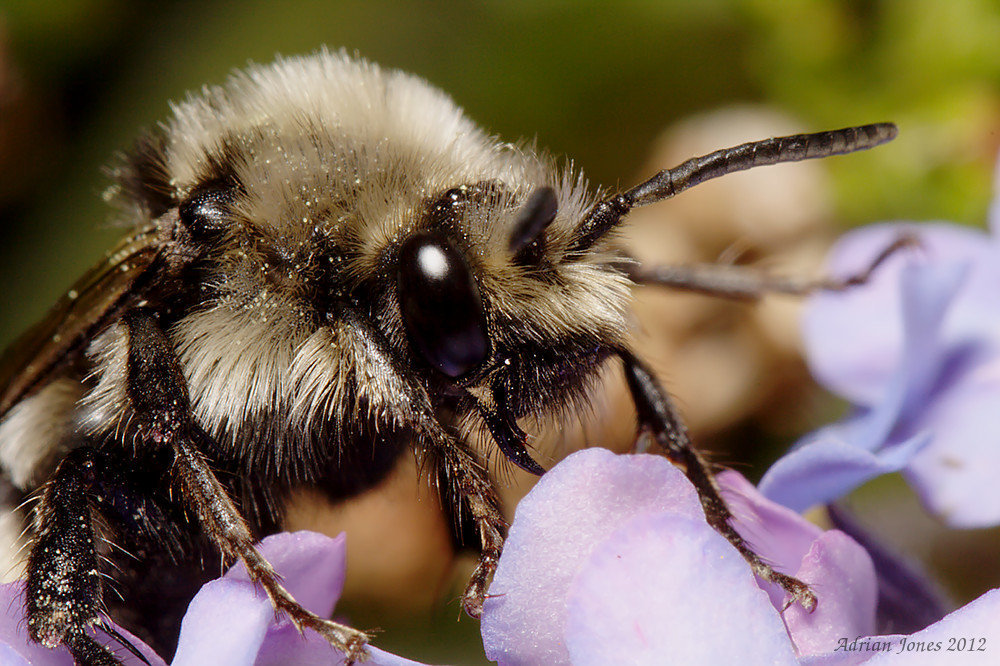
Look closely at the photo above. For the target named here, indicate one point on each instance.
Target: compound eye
(206, 213)
(442, 310)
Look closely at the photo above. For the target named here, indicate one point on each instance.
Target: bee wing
(75, 318)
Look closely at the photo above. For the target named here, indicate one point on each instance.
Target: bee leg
(471, 482)
(63, 592)
(159, 397)
(750, 284)
(229, 531)
(658, 416)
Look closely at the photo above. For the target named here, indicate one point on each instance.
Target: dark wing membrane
(31, 359)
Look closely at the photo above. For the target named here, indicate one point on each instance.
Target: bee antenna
(534, 217)
(608, 213)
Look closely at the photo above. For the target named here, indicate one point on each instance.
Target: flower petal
(838, 569)
(836, 459)
(285, 645)
(965, 636)
(842, 575)
(312, 567)
(829, 465)
(955, 475)
(11, 657)
(907, 599)
(854, 339)
(13, 634)
(777, 533)
(224, 625)
(944, 385)
(993, 219)
(665, 589)
(574, 507)
(231, 621)
(977, 624)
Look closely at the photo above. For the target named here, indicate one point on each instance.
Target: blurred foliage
(593, 80)
(932, 67)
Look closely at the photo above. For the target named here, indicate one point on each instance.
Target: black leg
(471, 483)
(747, 283)
(658, 416)
(63, 594)
(159, 553)
(227, 528)
(159, 397)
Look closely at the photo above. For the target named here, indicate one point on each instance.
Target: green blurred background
(596, 81)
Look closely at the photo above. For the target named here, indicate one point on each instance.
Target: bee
(329, 264)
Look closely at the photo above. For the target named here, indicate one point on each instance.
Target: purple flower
(230, 622)
(610, 561)
(917, 350)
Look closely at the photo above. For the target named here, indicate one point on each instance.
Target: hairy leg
(470, 482)
(63, 593)
(658, 416)
(159, 397)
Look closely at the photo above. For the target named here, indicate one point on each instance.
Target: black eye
(206, 213)
(441, 306)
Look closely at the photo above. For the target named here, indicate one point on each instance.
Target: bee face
(304, 207)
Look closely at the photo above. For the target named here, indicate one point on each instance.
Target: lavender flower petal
(977, 620)
(231, 621)
(911, 371)
(842, 575)
(956, 475)
(828, 464)
(13, 634)
(312, 567)
(581, 573)
(10, 657)
(837, 568)
(285, 645)
(575, 506)
(854, 339)
(225, 625)
(777, 533)
(993, 217)
(667, 589)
